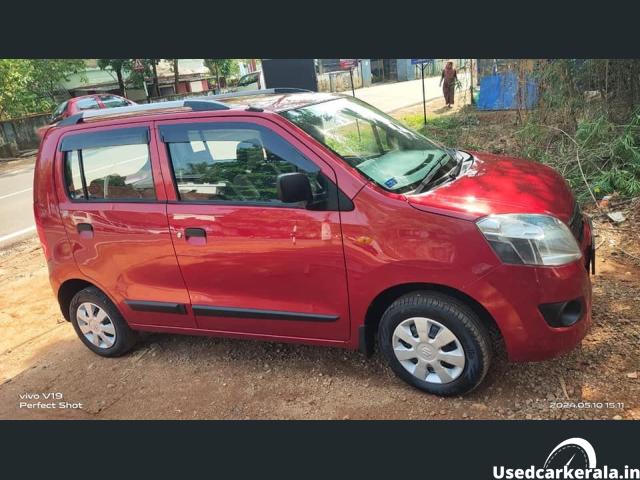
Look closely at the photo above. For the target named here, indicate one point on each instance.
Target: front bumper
(512, 294)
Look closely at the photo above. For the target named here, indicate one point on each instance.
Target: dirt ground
(182, 377)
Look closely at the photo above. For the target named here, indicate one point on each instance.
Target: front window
(396, 158)
(88, 103)
(237, 163)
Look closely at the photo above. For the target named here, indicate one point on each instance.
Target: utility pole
(424, 98)
(353, 89)
(423, 63)
(473, 102)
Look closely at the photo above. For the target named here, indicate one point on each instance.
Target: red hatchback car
(312, 218)
(88, 102)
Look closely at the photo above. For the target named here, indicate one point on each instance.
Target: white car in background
(250, 81)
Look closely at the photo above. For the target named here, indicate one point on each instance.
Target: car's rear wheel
(99, 324)
(435, 343)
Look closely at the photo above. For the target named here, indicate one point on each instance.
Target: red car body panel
(265, 258)
(499, 184)
(297, 260)
(130, 253)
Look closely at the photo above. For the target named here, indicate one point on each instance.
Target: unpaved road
(179, 377)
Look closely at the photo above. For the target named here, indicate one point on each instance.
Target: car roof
(272, 100)
(93, 95)
(90, 95)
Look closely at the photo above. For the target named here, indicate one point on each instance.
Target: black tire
(457, 317)
(125, 338)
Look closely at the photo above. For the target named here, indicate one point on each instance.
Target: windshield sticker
(391, 182)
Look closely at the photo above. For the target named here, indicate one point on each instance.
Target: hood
(497, 184)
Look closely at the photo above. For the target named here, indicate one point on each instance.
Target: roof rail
(199, 104)
(249, 93)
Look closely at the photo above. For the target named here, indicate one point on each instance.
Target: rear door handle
(195, 236)
(195, 232)
(85, 230)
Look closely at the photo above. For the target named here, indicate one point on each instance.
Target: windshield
(396, 158)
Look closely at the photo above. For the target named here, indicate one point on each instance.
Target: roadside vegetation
(30, 85)
(586, 125)
(33, 86)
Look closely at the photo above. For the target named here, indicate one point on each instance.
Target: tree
(30, 85)
(221, 67)
(48, 75)
(137, 77)
(120, 66)
(176, 74)
(153, 63)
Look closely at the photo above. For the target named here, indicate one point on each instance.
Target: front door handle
(85, 230)
(196, 236)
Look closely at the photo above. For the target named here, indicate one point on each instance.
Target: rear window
(97, 168)
(61, 108)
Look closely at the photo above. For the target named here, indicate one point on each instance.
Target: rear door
(253, 265)
(113, 205)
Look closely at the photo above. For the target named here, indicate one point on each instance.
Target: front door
(252, 264)
(113, 207)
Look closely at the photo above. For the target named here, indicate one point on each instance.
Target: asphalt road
(16, 202)
(389, 97)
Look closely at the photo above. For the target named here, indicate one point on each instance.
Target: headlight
(530, 239)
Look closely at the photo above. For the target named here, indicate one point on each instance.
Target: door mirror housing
(294, 187)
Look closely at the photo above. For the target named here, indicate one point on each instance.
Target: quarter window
(235, 162)
(114, 172)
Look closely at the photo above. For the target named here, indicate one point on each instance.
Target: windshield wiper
(432, 172)
(459, 158)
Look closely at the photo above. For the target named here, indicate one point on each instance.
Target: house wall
(21, 134)
(339, 81)
(406, 71)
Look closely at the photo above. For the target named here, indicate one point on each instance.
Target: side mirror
(294, 187)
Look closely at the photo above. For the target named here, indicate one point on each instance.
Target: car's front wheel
(435, 343)
(99, 324)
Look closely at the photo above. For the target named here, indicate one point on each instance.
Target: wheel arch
(67, 291)
(385, 298)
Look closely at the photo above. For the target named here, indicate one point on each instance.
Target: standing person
(449, 77)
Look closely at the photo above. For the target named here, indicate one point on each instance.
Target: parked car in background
(310, 218)
(250, 81)
(88, 102)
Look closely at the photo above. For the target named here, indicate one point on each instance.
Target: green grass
(450, 130)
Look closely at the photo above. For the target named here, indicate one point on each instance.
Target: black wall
(293, 73)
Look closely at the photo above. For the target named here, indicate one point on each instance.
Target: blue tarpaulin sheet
(500, 92)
